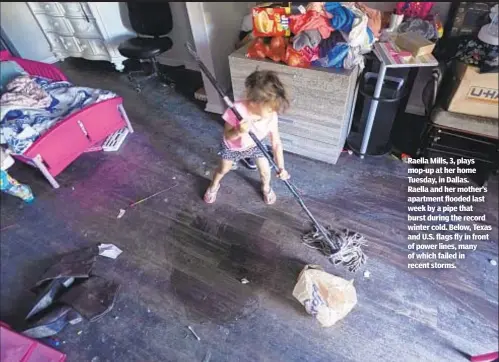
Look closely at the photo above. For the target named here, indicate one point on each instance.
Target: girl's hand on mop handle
(244, 127)
(283, 174)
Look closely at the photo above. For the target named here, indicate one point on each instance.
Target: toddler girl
(265, 96)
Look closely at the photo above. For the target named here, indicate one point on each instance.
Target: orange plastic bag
(274, 48)
(295, 58)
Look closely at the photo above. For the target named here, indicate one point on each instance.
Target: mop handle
(262, 148)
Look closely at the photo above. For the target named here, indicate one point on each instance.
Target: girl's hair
(265, 87)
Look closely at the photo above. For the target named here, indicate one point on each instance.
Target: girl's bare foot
(269, 196)
(210, 196)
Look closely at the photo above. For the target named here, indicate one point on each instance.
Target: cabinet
(90, 30)
(321, 104)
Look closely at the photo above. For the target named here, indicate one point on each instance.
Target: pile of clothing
(326, 34)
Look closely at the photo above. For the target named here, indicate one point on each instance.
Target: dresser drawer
(84, 29)
(312, 149)
(76, 10)
(50, 8)
(310, 131)
(320, 109)
(241, 68)
(93, 48)
(68, 44)
(54, 24)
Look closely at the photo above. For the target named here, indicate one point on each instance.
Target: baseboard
(191, 65)
(214, 108)
(50, 60)
(414, 109)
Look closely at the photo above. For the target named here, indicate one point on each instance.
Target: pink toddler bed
(62, 143)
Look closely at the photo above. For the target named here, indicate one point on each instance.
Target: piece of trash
(207, 173)
(54, 342)
(148, 310)
(72, 188)
(207, 357)
(122, 212)
(325, 296)
(109, 251)
(116, 317)
(165, 200)
(8, 227)
(367, 274)
(79, 333)
(174, 178)
(193, 333)
(204, 163)
(350, 152)
(493, 262)
(244, 281)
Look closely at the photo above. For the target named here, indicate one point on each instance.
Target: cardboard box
(474, 93)
(415, 43)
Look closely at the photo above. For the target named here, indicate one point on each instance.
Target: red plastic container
(15, 347)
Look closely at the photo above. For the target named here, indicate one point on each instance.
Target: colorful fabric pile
(326, 34)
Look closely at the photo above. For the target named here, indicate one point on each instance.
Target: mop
(340, 247)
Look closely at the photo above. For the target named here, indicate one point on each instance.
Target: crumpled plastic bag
(273, 48)
(295, 58)
(327, 297)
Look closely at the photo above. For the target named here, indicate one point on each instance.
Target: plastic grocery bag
(327, 297)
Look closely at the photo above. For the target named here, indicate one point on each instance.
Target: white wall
(215, 29)
(180, 34)
(23, 31)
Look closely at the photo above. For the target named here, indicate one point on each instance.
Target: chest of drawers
(90, 30)
(321, 104)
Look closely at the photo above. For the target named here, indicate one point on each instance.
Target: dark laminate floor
(182, 259)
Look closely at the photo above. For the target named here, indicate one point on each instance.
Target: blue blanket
(20, 127)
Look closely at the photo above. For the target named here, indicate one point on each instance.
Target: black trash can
(391, 94)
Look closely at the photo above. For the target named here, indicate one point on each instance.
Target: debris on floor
(244, 281)
(8, 227)
(367, 274)
(193, 333)
(122, 211)
(207, 357)
(109, 251)
(327, 297)
(69, 292)
(493, 262)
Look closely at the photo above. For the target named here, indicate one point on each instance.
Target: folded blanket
(23, 92)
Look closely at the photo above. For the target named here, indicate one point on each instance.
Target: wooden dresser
(90, 30)
(322, 102)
